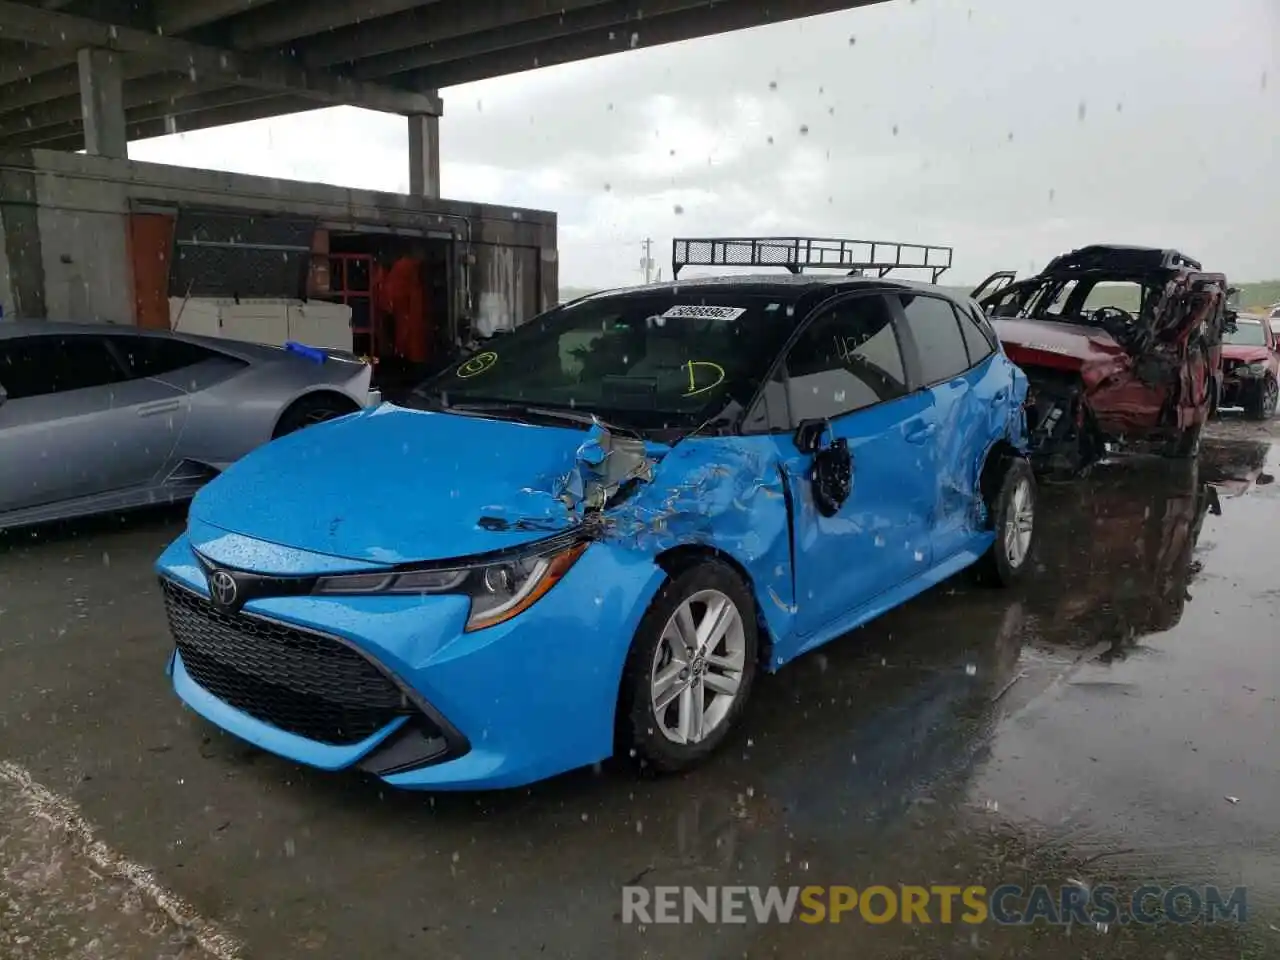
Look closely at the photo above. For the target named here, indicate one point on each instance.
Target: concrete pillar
(424, 156)
(102, 103)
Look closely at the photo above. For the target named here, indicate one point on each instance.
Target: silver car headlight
(1254, 369)
(498, 590)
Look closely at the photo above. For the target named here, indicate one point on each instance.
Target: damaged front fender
(721, 494)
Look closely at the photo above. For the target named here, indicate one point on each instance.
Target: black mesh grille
(304, 683)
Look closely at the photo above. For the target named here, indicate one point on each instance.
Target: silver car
(103, 418)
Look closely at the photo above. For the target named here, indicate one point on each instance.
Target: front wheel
(690, 669)
(1262, 405)
(1013, 516)
(311, 410)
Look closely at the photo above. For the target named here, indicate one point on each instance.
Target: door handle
(1001, 395)
(158, 408)
(921, 432)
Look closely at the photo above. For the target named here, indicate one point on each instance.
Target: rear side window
(936, 330)
(846, 359)
(37, 366)
(156, 356)
(975, 339)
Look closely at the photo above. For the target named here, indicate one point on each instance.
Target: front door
(74, 425)
(846, 375)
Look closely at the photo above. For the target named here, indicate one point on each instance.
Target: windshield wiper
(540, 413)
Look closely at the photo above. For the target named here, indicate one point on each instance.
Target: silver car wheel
(1019, 524)
(698, 667)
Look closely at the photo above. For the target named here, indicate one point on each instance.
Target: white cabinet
(274, 322)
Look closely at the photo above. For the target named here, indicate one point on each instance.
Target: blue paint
(314, 354)
(395, 486)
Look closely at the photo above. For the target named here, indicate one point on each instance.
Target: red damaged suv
(1250, 368)
(1119, 343)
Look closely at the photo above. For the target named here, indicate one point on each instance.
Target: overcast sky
(1009, 129)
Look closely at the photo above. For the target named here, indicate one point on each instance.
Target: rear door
(75, 424)
(954, 371)
(993, 284)
(847, 368)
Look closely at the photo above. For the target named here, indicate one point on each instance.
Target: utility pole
(647, 263)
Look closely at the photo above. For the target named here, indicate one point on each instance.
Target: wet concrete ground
(1088, 728)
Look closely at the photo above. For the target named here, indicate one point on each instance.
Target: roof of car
(34, 328)
(793, 286)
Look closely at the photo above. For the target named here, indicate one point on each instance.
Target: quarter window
(846, 359)
(156, 356)
(936, 331)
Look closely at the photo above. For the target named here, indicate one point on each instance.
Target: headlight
(498, 591)
(1254, 369)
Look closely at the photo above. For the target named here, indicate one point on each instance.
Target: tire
(652, 736)
(311, 410)
(1186, 445)
(1013, 519)
(1262, 404)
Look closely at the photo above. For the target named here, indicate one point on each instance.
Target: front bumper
(403, 692)
(1240, 385)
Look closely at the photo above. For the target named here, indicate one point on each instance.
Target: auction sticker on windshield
(703, 312)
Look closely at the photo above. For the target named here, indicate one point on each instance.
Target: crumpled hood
(392, 485)
(1245, 354)
(1074, 345)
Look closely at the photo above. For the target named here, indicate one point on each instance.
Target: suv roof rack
(800, 253)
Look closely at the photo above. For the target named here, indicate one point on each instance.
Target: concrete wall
(73, 213)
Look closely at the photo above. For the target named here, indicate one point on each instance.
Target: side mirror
(809, 435)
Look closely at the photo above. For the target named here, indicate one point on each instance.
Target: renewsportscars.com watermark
(1007, 905)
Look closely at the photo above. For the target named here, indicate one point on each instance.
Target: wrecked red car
(1250, 368)
(1120, 344)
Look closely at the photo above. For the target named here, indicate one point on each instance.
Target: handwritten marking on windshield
(477, 365)
(716, 370)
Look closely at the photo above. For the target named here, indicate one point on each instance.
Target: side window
(155, 356)
(37, 366)
(846, 359)
(24, 368)
(1055, 306)
(975, 339)
(936, 331)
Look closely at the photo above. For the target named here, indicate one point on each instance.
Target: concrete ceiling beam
(39, 60)
(701, 21)
(282, 22)
(21, 22)
(160, 118)
(439, 21)
(586, 18)
(137, 93)
(179, 16)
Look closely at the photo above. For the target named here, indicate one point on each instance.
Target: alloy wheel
(1019, 524)
(698, 666)
(1270, 394)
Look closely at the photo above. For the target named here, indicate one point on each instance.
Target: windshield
(1247, 334)
(644, 360)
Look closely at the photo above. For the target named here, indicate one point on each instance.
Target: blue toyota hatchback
(594, 533)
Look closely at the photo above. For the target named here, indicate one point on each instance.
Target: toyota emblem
(222, 587)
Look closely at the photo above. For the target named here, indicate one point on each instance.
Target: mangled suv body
(1119, 343)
